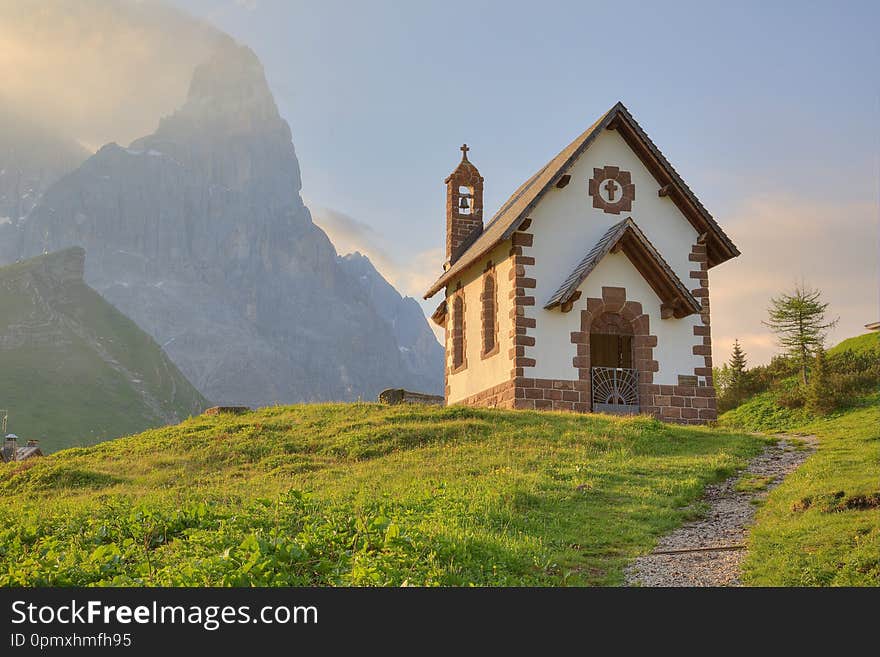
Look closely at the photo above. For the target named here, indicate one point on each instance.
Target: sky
(769, 110)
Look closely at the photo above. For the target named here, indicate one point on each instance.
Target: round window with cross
(612, 190)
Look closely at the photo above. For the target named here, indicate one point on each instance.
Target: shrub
(820, 397)
(790, 396)
(849, 374)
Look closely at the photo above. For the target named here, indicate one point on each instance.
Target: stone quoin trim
(703, 332)
(531, 393)
(624, 187)
(489, 342)
(520, 297)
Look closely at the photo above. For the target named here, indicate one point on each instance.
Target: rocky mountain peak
(228, 94)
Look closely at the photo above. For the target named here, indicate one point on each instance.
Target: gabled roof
(517, 208)
(626, 236)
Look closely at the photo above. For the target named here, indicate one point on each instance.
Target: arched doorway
(615, 382)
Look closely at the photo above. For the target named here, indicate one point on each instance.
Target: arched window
(457, 332)
(488, 315)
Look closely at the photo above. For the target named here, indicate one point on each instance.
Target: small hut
(12, 452)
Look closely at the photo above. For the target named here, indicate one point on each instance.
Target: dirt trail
(708, 552)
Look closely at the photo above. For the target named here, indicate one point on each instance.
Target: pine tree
(798, 319)
(737, 366)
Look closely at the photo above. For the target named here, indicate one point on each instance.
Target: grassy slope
(392, 495)
(794, 543)
(802, 537)
(861, 344)
(763, 413)
(67, 394)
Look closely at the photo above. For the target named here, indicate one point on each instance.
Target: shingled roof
(517, 208)
(626, 236)
(11, 452)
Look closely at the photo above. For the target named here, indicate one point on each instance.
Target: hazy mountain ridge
(418, 346)
(198, 233)
(32, 157)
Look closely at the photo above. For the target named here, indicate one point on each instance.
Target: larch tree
(798, 319)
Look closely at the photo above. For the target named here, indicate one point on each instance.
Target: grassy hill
(73, 369)
(360, 494)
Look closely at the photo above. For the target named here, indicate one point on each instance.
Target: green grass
(62, 389)
(763, 413)
(821, 526)
(360, 494)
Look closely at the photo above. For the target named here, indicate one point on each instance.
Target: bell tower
(464, 207)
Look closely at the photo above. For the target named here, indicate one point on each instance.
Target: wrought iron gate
(615, 390)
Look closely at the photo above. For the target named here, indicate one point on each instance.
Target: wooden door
(610, 350)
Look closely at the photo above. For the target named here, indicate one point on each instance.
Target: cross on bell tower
(464, 206)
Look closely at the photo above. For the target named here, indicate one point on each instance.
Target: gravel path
(725, 525)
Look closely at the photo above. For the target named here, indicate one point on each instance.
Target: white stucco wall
(480, 373)
(553, 351)
(566, 226)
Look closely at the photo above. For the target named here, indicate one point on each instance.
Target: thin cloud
(98, 71)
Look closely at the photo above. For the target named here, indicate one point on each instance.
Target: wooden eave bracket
(673, 308)
(568, 305)
(439, 315)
